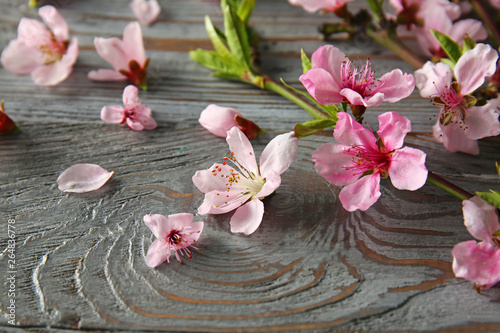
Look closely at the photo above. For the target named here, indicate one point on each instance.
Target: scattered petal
(81, 178)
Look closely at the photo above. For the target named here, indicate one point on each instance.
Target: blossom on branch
(146, 11)
(127, 57)
(44, 50)
(334, 79)
(135, 114)
(460, 124)
(176, 233)
(218, 120)
(359, 160)
(241, 186)
(479, 262)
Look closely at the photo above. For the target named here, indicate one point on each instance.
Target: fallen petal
(81, 178)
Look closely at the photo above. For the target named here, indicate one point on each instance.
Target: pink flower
(136, 114)
(44, 51)
(127, 57)
(175, 232)
(227, 189)
(333, 79)
(459, 124)
(218, 120)
(479, 262)
(359, 160)
(312, 6)
(418, 11)
(146, 12)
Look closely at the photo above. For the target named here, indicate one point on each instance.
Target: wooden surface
(311, 266)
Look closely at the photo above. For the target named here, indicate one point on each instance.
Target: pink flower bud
(218, 120)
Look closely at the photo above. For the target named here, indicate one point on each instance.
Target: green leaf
(493, 197)
(306, 63)
(245, 10)
(215, 61)
(236, 36)
(449, 62)
(496, 233)
(312, 126)
(330, 109)
(469, 44)
(498, 168)
(216, 39)
(452, 48)
(376, 7)
(227, 76)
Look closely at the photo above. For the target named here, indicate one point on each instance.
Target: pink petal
(474, 65)
(248, 217)
(331, 163)
(218, 120)
(312, 6)
(106, 75)
(477, 262)
(454, 139)
(135, 125)
(142, 121)
(349, 132)
(393, 128)
(480, 218)
(330, 58)
(242, 149)
(81, 178)
(180, 220)
(19, 58)
(432, 79)
(130, 96)
(133, 43)
(395, 86)
(321, 86)
(206, 181)
(157, 253)
(54, 74)
(279, 154)
(471, 27)
(33, 33)
(482, 121)
(55, 21)
(159, 224)
(407, 169)
(361, 194)
(194, 231)
(113, 51)
(113, 114)
(273, 181)
(355, 98)
(216, 202)
(146, 12)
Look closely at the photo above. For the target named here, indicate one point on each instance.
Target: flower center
(53, 50)
(367, 160)
(453, 105)
(176, 241)
(361, 80)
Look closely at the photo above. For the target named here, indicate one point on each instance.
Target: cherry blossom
(80, 178)
(418, 11)
(44, 50)
(243, 185)
(218, 120)
(146, 11)
(135, 114)
(359, 160)
(479, 262)
(334, 79)
(176, 233)
(127, 57)
(460, 124)
(312, 6)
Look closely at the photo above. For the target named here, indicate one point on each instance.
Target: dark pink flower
(176, 233)
(358, 160)
(127, 57)
(45, 51)
(135, 114)
(479, 262)
(333, 79)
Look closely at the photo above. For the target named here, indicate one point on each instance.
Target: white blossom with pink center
(45, 51)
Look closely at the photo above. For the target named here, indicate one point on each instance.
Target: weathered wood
(310, 266)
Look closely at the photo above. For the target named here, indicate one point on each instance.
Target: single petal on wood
(81, 178)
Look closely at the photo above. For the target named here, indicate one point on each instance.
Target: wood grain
(311, 266)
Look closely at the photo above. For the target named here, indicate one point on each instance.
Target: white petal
(81, 178)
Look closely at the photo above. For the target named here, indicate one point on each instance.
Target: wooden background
(310, 266)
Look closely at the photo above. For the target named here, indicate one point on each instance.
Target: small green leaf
(498, 168)
(376, 7)
(493, 197)
(236, 36)
(217, 62)
(496, 233)
(330, 109)
(312, 126)
(245, 10)
(469, 44)
(306, 63)
(452, 48)
(215, 38)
